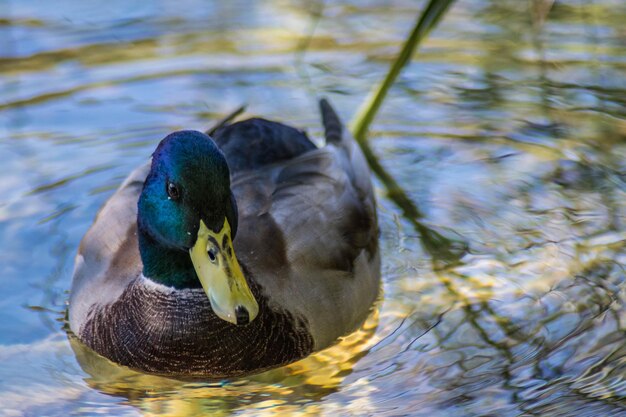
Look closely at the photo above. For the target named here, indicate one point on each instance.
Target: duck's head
(187, 211)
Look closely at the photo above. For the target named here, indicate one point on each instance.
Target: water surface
(503, 296)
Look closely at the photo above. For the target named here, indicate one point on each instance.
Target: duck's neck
(167, 266)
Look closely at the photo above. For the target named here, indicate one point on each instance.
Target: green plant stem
(429, 18)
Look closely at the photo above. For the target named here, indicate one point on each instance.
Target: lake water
(504, 295)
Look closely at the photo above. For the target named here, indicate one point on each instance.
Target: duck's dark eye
(172, 191)
(212, 255)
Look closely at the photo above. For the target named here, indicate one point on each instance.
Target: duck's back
(254, 143)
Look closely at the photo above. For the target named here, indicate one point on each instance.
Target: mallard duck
(230, 255)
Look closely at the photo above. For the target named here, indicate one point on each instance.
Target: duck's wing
(108, 257)
(308, 233)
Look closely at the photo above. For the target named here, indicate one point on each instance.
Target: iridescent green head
(187, 220)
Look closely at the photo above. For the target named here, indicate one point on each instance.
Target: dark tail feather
(333, 130)
(225, 121)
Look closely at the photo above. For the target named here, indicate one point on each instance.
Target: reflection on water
(508, 133)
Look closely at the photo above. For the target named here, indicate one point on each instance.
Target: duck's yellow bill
(219, 272)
